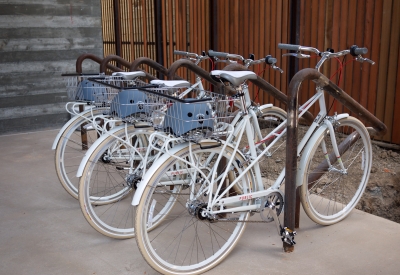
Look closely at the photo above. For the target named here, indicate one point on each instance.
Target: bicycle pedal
(288, 236)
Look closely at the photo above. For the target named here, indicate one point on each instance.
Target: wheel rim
(180, 239)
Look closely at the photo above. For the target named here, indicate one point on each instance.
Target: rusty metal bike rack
(94, 58)
(104, 63)
(151, 63)
(292, 202)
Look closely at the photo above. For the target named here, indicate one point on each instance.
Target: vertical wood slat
(392, 66)
(375, 50)
(396, 114)
(358, 40)
(285, 39)
(334, 65)
(164, 31)
(367, 43)
(383, 60)
(132, 40)
(342, 43)
(170, 29)
(144, 28)
(351, 33)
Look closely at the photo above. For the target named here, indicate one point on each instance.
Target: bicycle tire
(70, 150)
(105, 194)
(327, 195)
(203, 241)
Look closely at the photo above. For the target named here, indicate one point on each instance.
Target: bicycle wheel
(71, 148)
(172, 233)
(328, 194)
(109, 180)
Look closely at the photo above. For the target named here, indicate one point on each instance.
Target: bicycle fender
(149, 173)
(86, 113)
(94, 147)
(307, 150)
(265, 106)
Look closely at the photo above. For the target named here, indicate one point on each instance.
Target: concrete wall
(40, 40)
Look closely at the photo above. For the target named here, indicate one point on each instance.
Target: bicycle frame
(233, 203)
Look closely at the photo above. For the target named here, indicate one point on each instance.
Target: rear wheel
(109, 180)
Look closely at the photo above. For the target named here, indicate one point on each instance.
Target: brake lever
(362, 59)
(276, 68)
(298, 55)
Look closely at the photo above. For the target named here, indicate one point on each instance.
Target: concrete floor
(42, 231)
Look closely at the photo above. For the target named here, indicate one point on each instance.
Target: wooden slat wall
(107, 17)
(256, 26)
(366, 23)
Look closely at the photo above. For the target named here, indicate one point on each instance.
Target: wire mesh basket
(192, 114)
(97, 89)
(126, 102)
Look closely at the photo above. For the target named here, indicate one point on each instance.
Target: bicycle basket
(191, 114)
(79, 88)
(132, 104)
(97, 89)
(127, 102)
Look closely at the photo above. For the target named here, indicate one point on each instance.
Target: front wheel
(329, 193)
(109, 180)
(72, 146)
(173, 232)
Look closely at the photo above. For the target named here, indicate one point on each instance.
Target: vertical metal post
(293, 69)
(213, 25)
(159, 35)
(294, 38)
(117, 28)
(291, 167)
(292, 207)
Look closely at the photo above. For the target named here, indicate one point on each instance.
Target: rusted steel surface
(104, 63)
(149, 62)
(171, 74)
(94, 58)
(379, 128)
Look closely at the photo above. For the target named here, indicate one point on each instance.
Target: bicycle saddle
(129, 75)
(234, 77)
(171, 83)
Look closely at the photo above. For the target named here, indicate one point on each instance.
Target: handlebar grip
(217, 54)
(270, 60)
(180, 52)
(355, 50)
(289, 47)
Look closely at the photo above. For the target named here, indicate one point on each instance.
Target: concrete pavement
(42, 231)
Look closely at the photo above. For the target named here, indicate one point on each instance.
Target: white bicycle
(193, 203)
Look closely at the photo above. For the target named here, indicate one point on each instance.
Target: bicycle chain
(229, 221)
(244, 221)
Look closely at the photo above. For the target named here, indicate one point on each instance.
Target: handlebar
(192, 56)
(246, 62)
(354, 51)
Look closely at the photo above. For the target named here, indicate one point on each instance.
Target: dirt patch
(382, 195)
